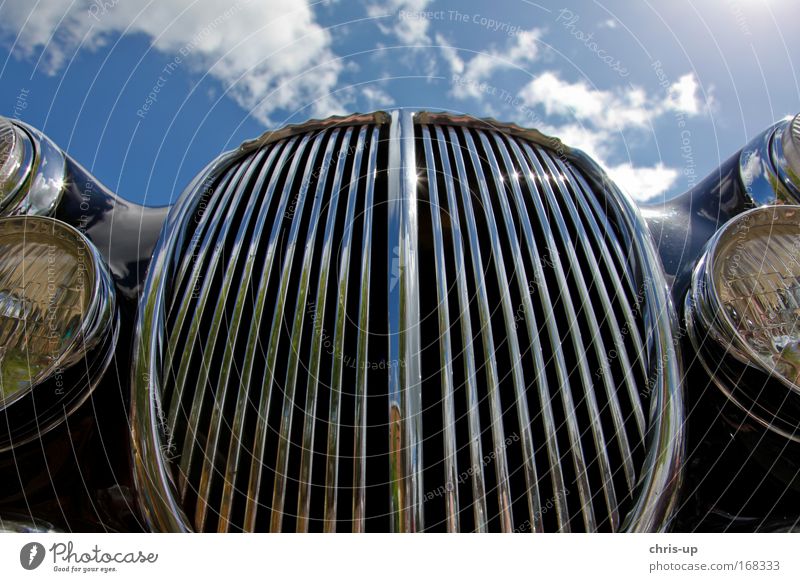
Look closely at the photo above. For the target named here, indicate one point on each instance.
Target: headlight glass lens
(46, 286)
(756, 273)
(15, 160)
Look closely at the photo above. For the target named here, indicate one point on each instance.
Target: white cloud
(593, 116)
(376, 97)
(522, 49)
(683, 95)
(268, 55)
(643, 182)
(410, 23)
(624, 108)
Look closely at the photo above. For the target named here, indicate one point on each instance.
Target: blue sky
(144, 94)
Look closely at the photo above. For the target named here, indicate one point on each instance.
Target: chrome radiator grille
(404, 323)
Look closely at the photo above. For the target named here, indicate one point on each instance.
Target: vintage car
(400, 321)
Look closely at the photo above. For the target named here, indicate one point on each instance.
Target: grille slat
(518, 272)
(603, 242)
(320, 308)
(599, 287)
(268, 390)
(484, 272)
(480, 510)
(182, 303)
(574, 433)
(446, 351)
(363, 353)
(207, 473)
(533, 329)
(596, 335)
(265, 198)
(620, 351)
(310, 407)
(215, 261)
(288, 389)
(206, 226)
(337, 386)
(487, 337)
(405, 418)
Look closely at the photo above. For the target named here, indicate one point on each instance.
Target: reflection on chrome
(244, 420)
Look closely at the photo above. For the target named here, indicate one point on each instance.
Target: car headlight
(57, 323)
(743, 314)
(32, 171)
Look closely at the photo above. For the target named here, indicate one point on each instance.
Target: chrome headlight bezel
(73, 375)
(769, 166)
(36, 175)
(762, 392)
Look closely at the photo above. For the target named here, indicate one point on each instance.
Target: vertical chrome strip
(540, 367)
(310, 419)
(210, 449)
(616, 332)
(200, 241)
(405, 400)
(603, 243)
(266, 392)
(197, 261)
(579, 344)
(503, 282)
(470, 374)
(607, 214)
(573, 431)
(282, 462)
(362, 360)
(189, 445)
(284, 295)
(243, 397)
(445, 351)
(484, 313)
(335, 407)
(219, 312)
(539, 282)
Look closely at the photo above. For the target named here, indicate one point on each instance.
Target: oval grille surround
(406, 322)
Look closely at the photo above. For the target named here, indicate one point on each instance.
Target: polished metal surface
(790, 144)
(406, 321)
(39, 182)
(769, 175)
(725, 334)
(16, 158)
(76, 369)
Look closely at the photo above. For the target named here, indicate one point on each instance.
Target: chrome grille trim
(242, 398)
(266, 393)
(282, 460)
(533, 328)
(405, 420)
(362, 361)
(446, 352)
(514, 213)
(484, 311)
(573, 431)
(187, 447)
(281, 463)
(212, 441)
(475, 445)
(334, 419)
(595, 339)
(309, 422)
